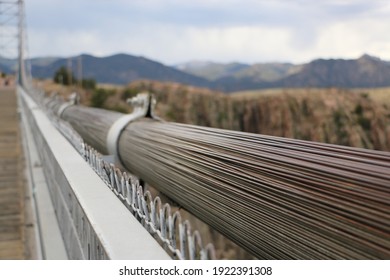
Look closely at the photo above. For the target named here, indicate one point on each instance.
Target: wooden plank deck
(12, 236)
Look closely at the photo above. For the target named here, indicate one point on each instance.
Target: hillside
(259, 72)
(120, 69)
(44, 61)
(358, 118)
(211, 70)
(364, 72)
(6, 65)
(367, 71)
(5, 69)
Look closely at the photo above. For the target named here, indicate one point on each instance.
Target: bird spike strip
(175, 236)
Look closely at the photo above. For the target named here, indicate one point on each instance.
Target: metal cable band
(142, 107)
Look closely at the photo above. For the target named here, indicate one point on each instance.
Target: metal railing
(79, 197)
(173, 234)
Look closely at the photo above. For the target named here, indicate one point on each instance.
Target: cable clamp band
(74, 99)
(143, 105)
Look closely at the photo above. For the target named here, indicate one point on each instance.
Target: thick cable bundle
(276, 197)
(92, 124)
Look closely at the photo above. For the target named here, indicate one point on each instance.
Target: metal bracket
(143, 105)
(74, 99)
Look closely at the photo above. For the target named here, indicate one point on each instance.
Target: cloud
(174, 31)
(352, 38)
(68, 43)
(170, 44)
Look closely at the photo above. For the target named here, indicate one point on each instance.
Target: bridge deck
(11, 182)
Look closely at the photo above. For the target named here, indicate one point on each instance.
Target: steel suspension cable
(278, 198)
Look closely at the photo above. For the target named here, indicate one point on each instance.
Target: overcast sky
(175, 31)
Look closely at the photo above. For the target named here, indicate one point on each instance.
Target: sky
(177, 31)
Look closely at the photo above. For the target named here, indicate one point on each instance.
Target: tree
(88, 83)
(64, 76)
(99, 97)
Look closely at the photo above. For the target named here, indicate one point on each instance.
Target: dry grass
(379, 95)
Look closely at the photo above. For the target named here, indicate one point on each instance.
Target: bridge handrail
(94, 224)
(130, 192)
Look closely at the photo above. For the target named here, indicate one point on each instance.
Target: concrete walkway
(12, 224)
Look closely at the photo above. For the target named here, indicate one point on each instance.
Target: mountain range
(366, 71)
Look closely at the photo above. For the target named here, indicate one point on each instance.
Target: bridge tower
(13, 43)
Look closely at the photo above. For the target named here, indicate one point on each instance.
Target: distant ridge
(211, 70)
(366, 71)
(6, 65)
(120, 69)
(5, 69)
